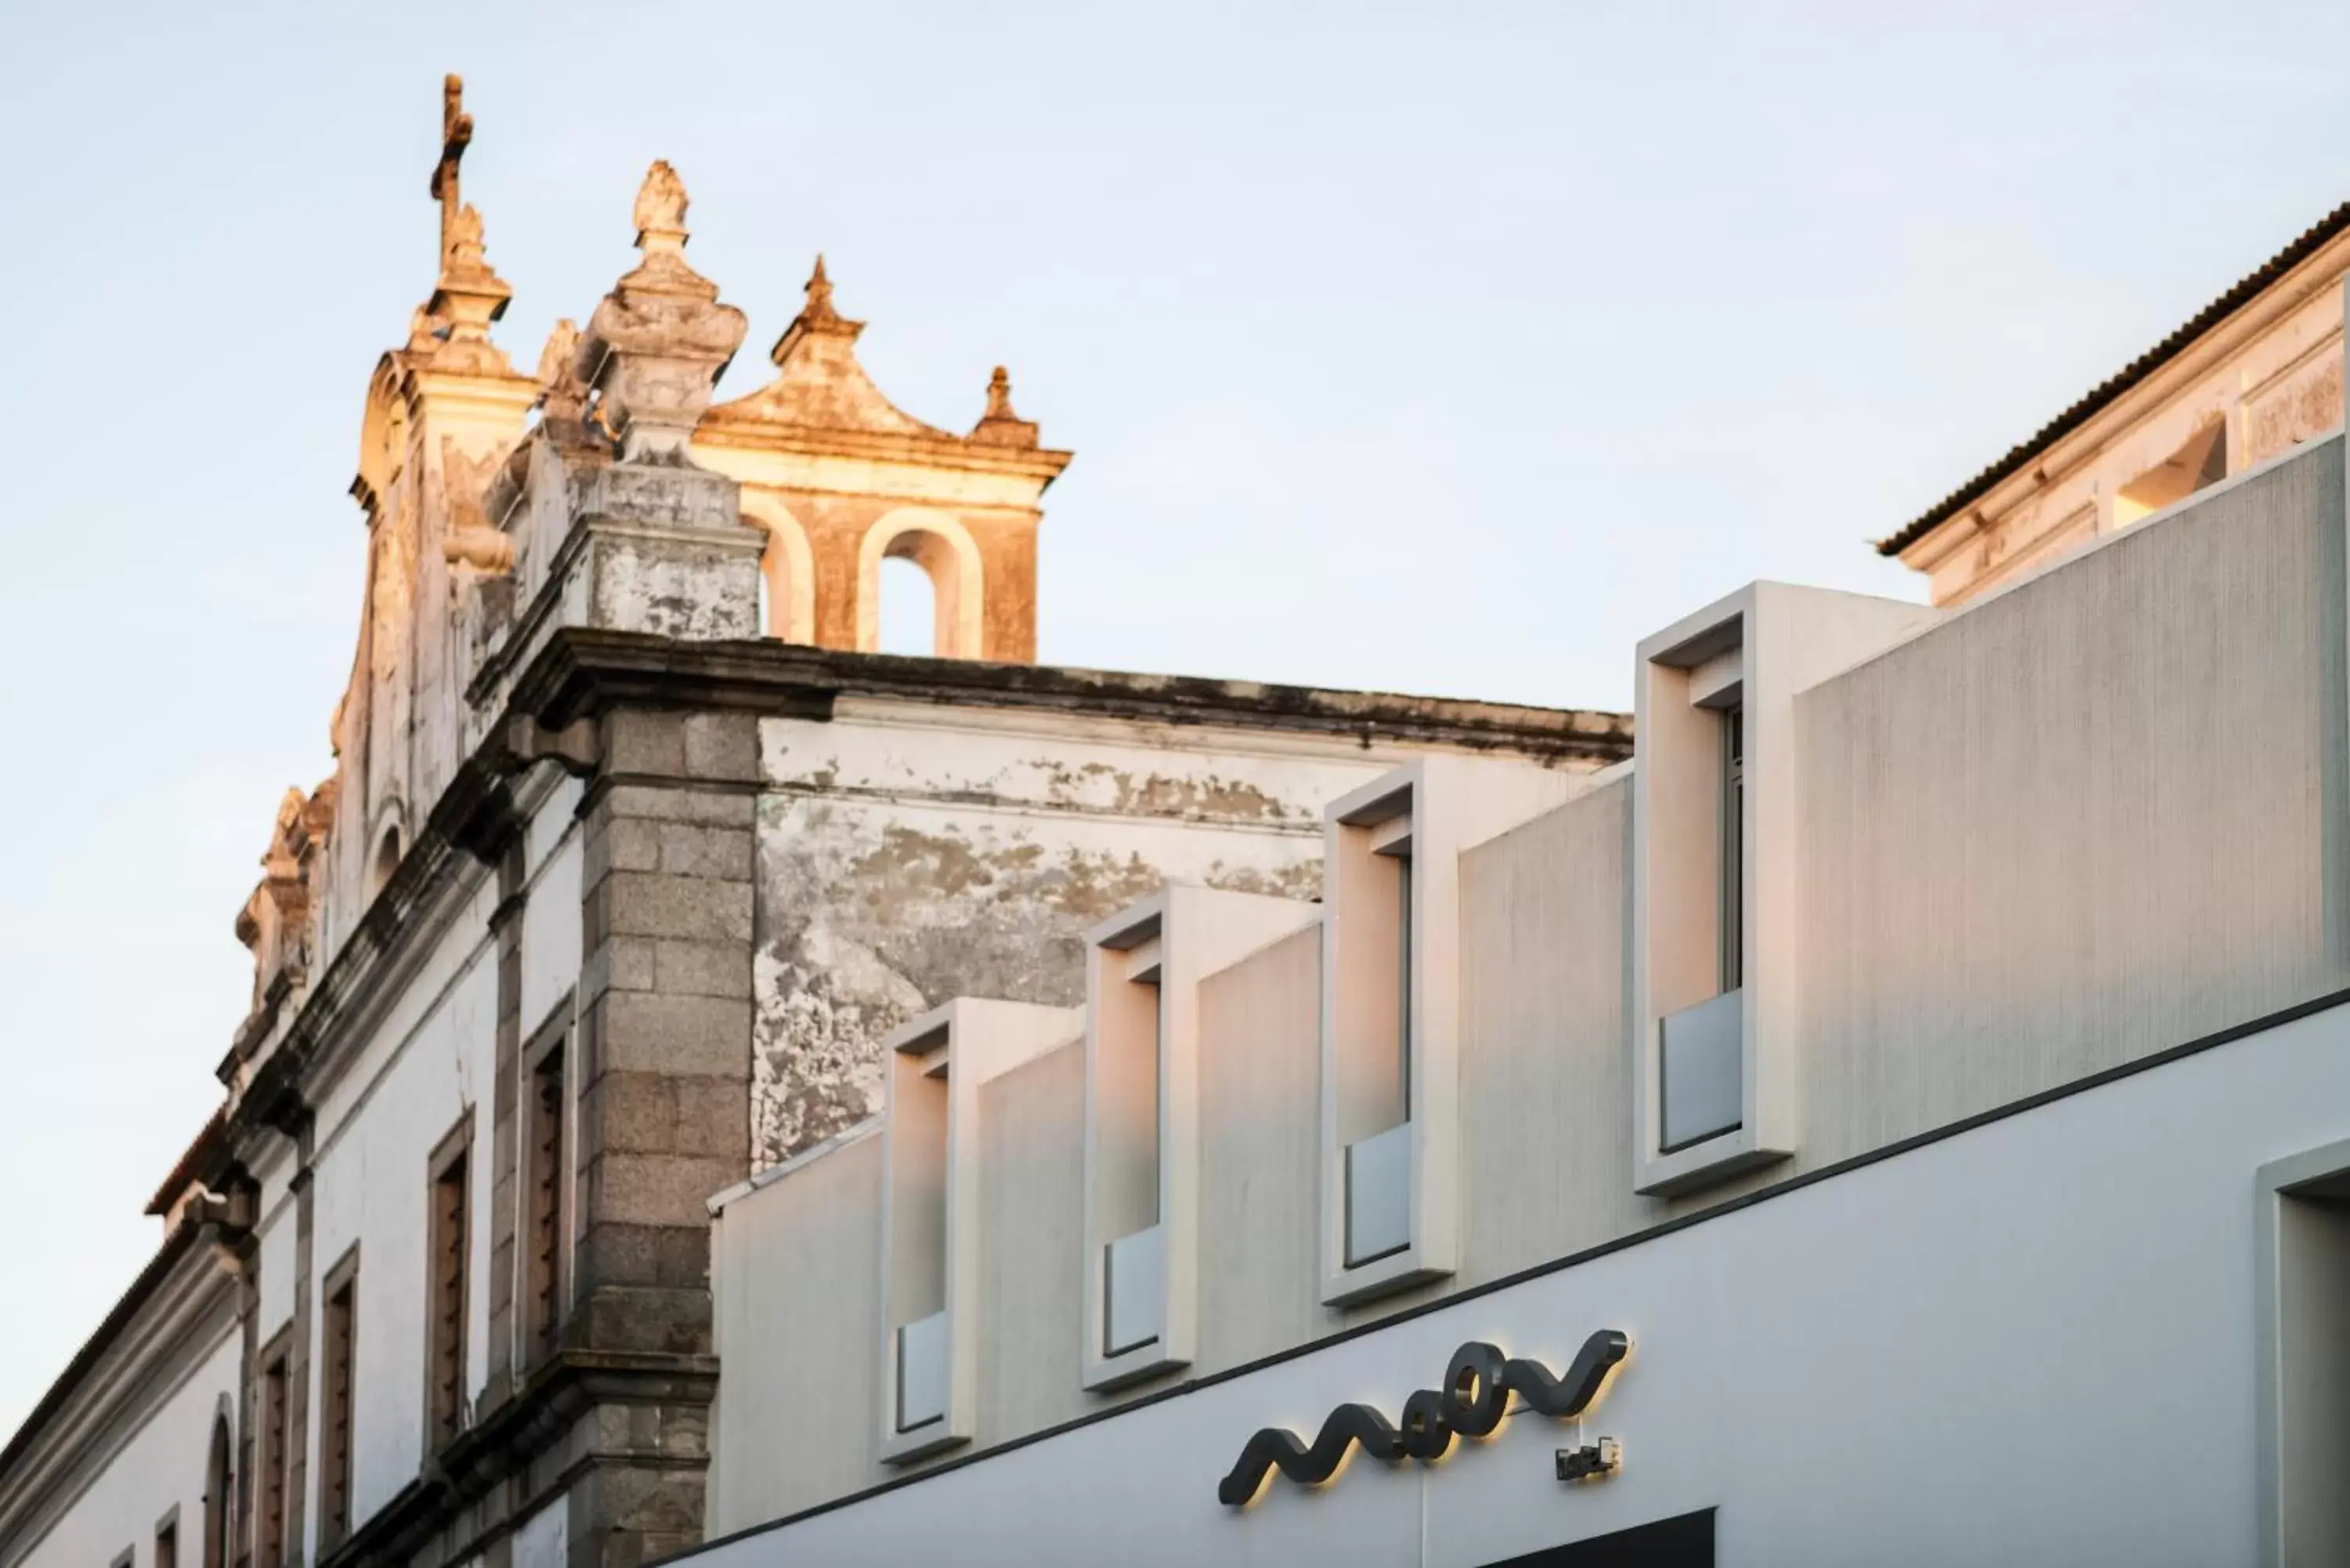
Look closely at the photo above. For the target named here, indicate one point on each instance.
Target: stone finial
(818, 318)
(1001, 425)
(275, 922)
(820, 295)
(658, 343)
(561, 393)
(660, 211)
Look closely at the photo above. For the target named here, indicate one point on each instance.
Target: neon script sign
(1475, 1395)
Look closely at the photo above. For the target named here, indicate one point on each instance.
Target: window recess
(1143, 970)
(1713, 871)
(931, 1243)
(1390, 1011)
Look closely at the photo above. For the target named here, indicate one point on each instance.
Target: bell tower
(839, 479)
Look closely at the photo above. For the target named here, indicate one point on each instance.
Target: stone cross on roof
(456, 134)
(453, 328)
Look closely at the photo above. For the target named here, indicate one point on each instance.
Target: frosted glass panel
(923, 1372)
(1703, 1070)
(1378, 1195)
(1134, 1282)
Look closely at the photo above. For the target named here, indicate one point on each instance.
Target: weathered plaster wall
(911, 855)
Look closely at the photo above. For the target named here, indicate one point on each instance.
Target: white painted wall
(372, 1187)
(430, 1060)
(2032, 1341)
(550, 921)
(543, 1541)
(162, 1465)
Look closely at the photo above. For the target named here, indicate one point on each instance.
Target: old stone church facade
(633, 852)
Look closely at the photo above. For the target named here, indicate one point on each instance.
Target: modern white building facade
(1902, 1116)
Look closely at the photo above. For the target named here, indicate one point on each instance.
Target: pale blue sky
(1444, 349)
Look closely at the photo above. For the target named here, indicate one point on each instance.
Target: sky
(1444, 349)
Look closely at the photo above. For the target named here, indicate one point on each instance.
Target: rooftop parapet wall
(2103, 812)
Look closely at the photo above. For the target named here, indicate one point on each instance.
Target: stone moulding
(792, 678)
(504, 1438)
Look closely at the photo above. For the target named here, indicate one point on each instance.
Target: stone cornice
(748, 432)
(150, 1330)
(580, 671)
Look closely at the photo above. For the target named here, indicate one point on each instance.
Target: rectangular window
(167, 1544)
(450, 1249)
(339, 1339)
(544, 1284)
(1373, 922)
(1403, 981)
(269, 1504)
(1135, 1030)
(1733, 849)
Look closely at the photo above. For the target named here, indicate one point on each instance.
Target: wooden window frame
(446, 1323)
(339, 1391)
(544, 1255)
(273, 1470)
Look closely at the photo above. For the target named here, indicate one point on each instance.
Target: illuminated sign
(1474, 1396)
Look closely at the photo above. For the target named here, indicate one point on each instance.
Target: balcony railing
(923, 1372)
(1378, 1195)
(1703, 1073)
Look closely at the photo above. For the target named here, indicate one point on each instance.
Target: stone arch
(220, 1486)
(939, 544)
(385, 849)
(383, 438)
(788, 564)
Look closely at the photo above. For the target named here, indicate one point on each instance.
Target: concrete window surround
(2302, 1236)
(1415, 821)
(935, 1067)
(1750, 652)
(1143, 970)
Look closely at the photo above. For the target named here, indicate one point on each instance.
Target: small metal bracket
(1591, 1462)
